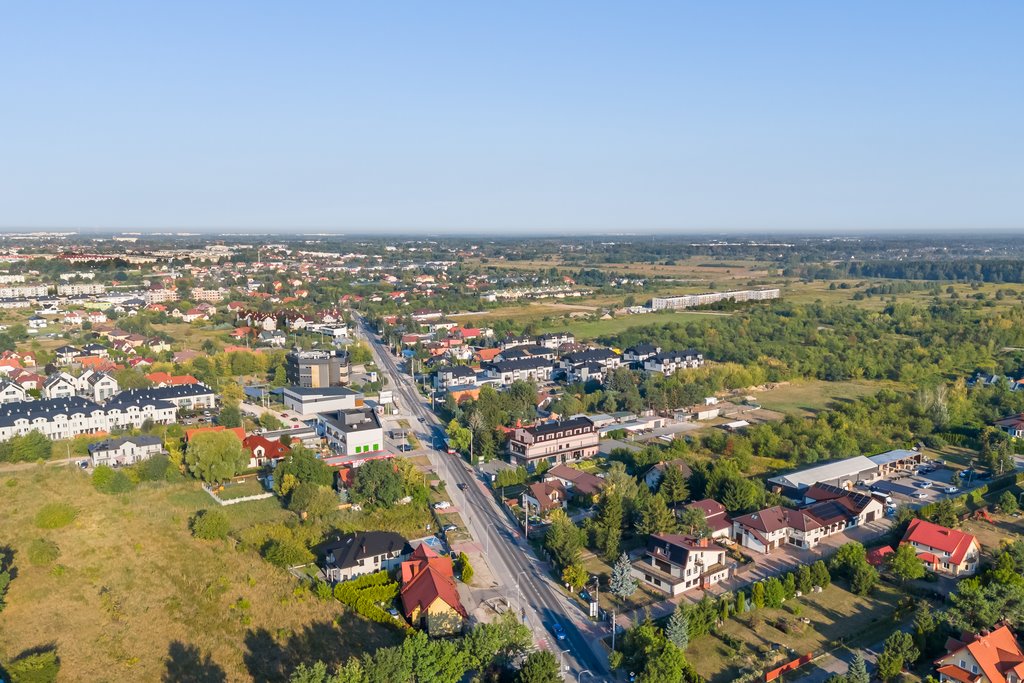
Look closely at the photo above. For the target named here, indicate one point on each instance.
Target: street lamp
(561, 660)
(585, 672)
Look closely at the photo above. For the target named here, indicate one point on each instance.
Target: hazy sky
(504, 117)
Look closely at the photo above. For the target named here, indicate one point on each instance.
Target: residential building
(96, 386)
(264, 450)
(1013, 425)
(309, 402)
(554, 442)
(675, 563)
(453, 375)
(182, 396)
(163, 379)
(945, 551)
(124, 451)
(660, 303)
(363, 552)
(553, 340)
(527, 369)
(668, 362)
(129, 409)
(715, 515)
(656, 473)
(604, 357)
(81, 289)
(583, 487)
(60, 385)
(994, 657)
(316, 369)
(430, 598)
(635, 356)
(208, 295)
(352, 432)
(11, 392)
(545, 496)
(56, 418)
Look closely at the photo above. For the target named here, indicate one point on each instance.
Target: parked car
(920, 495)
(951, 489)
(557, 629)
(449, 527)
(405, 448)
(925, 485)
(442, 505)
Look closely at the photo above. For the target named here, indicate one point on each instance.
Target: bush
(36, 667)
(465, 568)
(55, 515)
(153, 469)
(210, 525)
(106, 479)
(286, 553)
(43, 552)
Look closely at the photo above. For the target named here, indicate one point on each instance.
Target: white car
(925, 485)
(443, 505)
(951, 489)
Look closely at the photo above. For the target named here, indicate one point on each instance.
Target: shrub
(106, 479)
(153, 469)
(36, 667)
(55, 515)
(210, 525)
(42, 552)
(465, 568)
(286, 553)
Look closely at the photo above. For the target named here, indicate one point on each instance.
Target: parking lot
(919, 487)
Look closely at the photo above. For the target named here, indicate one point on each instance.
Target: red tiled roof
(951, 541)
(958, 674)
(877, 556)
(426, 577)
(996, 653)
(271, 449)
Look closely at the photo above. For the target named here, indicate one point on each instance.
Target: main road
(511, 559)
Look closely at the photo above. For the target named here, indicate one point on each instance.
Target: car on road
(405, 448)
(584, 596)
(921, 495)
(951, 489)
(84, 464)
(443, 505)
(421, 419)
(557, 629)
(462, 486)
(924, 485)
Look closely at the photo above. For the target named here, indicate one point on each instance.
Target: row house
(526, 351)
(528, 369)
(453, 376)
(635, 356)
(11, 392)
(668, 362)
(555, 340)
(676, 563)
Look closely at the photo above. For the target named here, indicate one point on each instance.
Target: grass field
(835, 613)
(133, 597)
(810, 396)
(591, 329)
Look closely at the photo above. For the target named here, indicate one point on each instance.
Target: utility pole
(614, 629)
(526, 518)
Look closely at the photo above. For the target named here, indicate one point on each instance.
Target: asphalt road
(512, 562)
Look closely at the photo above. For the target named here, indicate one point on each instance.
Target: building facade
(555, 442)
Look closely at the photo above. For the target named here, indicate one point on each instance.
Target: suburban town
(340, 450)
(405, 342)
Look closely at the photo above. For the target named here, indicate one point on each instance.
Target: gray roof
(357, 420)
(892, 456)
(321, 391)
(47, 408)
(349, 549)
(801, 479)
(114, 444)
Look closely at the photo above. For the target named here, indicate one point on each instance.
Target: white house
(125, 451)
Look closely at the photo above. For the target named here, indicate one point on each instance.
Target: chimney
(703, 543)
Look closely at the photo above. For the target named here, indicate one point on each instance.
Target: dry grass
(134, 597)
(810, 396)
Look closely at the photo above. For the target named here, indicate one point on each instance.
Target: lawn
(804, 398)
(834, 614)
(592, 329)
(250, 486)
(132, 596)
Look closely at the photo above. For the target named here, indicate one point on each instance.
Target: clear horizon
(673, 119)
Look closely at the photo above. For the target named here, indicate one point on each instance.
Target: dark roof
(675, 355)
(164, 393)
(46, 408)
(642, 349)
(112, 444)
(589, 356)
(457, 370)
(355, 420)
(551, 427)
(531, 363)
(351, 548)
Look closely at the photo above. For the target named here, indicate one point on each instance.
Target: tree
(314, 500)
(575, 576)
(904, 564)
(35, 667)
(804, 580)
(820, 575)
(465, 568)
(210, 525)
(6, 573)
(944, 514)
(757, 595)
(540, 666)
(1008, 503)
(215, 456)
(106, 479)
(673, 484)
(230, 416)
(849, 556)
(622, 582)
(789, 586)
(655, 517)
(608, 524)
(858, 670)
(459, 438)
(864, 579)
(741, 603)
(694, 523)
(377, 483)
(302, 466)
(774, 593)
(678, 628)
(564, 540)
(899, 651)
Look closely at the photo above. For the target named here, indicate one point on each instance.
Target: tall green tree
(541, 666)
(673, 484)
(564, 540)
(904, 564)
(622, 582)
(215, 456)
(655, 517)
(607, 526)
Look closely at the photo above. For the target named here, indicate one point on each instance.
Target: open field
(591, 329)
(133, 596)
(809, 396)
(835, 613)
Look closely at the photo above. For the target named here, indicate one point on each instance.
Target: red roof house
(994, 657)
(429, 595)
(948, 551)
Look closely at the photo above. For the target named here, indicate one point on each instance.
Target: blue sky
(509, 117)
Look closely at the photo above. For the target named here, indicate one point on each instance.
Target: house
(656, 473)
(11, 392)
(163, 379)
(352, 432)
(555, 442)
(96, 350)
(585, 372)
(453, 375)
(994, 657)
(667, 362)
(545, 496)
(27, 380)
(58, 418)
(606, 358)
(309, 402)
(715, 515)
(60, 385)
(182, 396)
(157, 345)
(675, 563)
(264, 450)
(764, 530)
(876, 556)
(945, 551)
(582, 486)
(97, 386)
(125, 451)
(507, 372)
(274, 338)
(635, 356)
(554, 340)
(526, 351)
(363, 552)
(1013, 425)
(429, 596)
(66, 354)
(36, 323)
